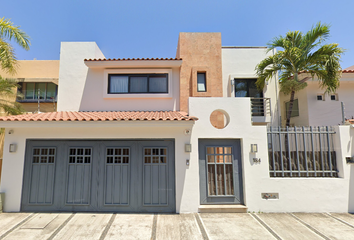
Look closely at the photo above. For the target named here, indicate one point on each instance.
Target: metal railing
(302, 152)
(260, 107)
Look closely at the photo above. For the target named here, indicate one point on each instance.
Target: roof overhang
(95, 119)
(133, 63)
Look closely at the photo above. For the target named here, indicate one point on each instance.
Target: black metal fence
(302, 152)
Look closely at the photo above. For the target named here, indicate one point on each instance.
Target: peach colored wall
(200, 52)
(35, 69)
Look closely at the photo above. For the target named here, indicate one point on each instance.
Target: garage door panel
(155, 176)
(163, 185)
(117, 185)
(79, 176)
(78, 185)
(117, 177)
(42, 176)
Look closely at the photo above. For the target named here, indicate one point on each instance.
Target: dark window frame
(205, 81)
(23, 88)
(249, 82)
(154, 75)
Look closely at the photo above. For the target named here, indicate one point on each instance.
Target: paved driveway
(177, 226)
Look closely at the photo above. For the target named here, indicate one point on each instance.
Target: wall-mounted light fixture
(254, 148)
(187, 147)
(232, 82)
(12, 147)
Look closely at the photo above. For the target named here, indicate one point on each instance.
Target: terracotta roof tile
(347, 70)
(133, 59)
(103, 116)
(351, 121)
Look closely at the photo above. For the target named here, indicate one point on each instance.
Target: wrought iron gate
(302, 152)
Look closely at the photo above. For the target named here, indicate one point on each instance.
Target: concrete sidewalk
(177, 226)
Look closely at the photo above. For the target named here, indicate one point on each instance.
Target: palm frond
(8, 60)
(9, 31)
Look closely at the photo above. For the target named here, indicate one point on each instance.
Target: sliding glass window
(137, 83)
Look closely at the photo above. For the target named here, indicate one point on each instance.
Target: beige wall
(35, 69)
(200, 52)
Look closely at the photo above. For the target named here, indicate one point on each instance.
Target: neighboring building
(314, 107)
(163, 135)
(34, 76)
(37, 78)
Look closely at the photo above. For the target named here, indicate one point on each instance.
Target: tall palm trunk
(288, 115)
(291, 103)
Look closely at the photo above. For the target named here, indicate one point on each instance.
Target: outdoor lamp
(188, 147)
(254, 148)
(12, 147)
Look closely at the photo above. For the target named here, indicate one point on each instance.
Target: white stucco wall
(85, 89)
(13, 163)
(240, 62)
(295, 194)
(73, 73)
(322, 113)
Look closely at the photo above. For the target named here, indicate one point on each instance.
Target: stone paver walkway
(177, 226)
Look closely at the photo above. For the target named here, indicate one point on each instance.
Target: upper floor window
(137, 83)
(32, 91)
(201, 80)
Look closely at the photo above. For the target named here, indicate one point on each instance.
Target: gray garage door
(118, 176)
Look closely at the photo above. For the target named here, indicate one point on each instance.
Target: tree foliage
(302, 53)
(9, 32)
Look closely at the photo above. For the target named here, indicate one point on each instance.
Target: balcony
(261, 111)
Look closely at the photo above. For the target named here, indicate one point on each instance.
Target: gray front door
(220, 171)
(97, 175)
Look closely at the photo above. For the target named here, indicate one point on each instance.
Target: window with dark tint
(137, 83)
(334, 97)
(201, 82)
(33, 91)
(319, 97)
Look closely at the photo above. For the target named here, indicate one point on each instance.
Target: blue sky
(150, 28)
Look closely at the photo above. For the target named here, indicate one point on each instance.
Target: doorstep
(222, 209)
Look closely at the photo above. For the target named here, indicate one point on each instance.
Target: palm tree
(8, 98)
(8, 61)
(7, 55)
(302, 53)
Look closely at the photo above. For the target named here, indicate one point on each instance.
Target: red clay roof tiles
(133, 59)
(103, 116)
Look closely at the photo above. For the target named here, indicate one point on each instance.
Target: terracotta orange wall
(200, 52)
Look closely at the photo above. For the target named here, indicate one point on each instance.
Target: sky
(150, 28)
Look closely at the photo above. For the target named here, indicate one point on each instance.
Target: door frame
(238, 197)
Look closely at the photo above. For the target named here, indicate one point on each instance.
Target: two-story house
(182, 134)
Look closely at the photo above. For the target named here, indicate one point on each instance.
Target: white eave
(133, 63)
